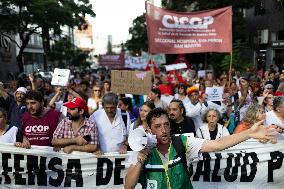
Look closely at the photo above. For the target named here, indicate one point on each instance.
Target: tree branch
(12, 40)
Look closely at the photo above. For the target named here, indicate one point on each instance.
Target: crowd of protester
(87, 116)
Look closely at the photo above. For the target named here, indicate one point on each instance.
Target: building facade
(266, 33)
(8, 62)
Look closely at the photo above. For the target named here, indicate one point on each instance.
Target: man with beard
(112, 131)
(15, 105)
(194, 106)
(180, 123)
(161, 167)
(38, 124)
(76, 132)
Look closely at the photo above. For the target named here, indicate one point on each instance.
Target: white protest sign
(214, 93)
(201, 73)
(175, 66)
(60, 77)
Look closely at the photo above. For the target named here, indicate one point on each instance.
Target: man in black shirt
(15, 105)
(180, 123)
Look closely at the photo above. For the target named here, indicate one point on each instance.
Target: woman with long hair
(254, 114)
(95, 102)
(181, 93)
(141, 120)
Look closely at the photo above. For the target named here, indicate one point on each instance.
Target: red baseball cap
(77, 103)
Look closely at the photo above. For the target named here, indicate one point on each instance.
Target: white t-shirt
(194, 145)
(92, 104)
(9, 136)
(185, 100)
(272, 119)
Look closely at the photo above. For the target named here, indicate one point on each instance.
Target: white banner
(140, 62)
(248, 165)
(175, 66)
(214, 93)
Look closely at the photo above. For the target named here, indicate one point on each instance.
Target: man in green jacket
(160, 168)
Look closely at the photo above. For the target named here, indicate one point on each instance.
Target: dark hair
(85, 114)
(84, 82)
(157, 91)
(155, 113)
(181, 85)
(107, 81)
(180, 105)
(128, 102)
(150, 104)
(34, 95)
(4, 112)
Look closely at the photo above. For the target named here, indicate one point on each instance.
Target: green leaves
(138, 32)
(64, 51)
(26, 17)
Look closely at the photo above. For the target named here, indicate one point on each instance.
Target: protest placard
(175, 66)
(130, 82)
(201, 73)
(60, 77)
(214, 93)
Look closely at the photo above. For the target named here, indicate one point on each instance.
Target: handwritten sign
(130, 82)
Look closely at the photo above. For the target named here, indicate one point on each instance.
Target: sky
(114, 18)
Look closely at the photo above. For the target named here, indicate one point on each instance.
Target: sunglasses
(97, 90)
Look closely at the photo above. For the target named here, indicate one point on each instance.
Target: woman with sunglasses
(95, 102)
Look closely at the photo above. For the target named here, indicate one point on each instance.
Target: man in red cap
(76, 132)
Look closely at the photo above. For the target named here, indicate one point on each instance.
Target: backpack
(124, 117)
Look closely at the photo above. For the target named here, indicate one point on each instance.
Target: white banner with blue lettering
(248, 165)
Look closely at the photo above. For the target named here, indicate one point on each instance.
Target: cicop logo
(37, 128)
(187, 23)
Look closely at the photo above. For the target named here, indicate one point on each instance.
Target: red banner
(176, 33)
(115, 61)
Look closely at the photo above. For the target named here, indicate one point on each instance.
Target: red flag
(175, 33)
(151, 64)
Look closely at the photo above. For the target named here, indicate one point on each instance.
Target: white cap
(22, 89)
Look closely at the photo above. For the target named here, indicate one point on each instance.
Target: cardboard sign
(130, 82)
(60, 77)
(214, 93)
(176, 66)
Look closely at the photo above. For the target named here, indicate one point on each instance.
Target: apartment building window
(279, 4)
(259, 8)
(280, 35)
